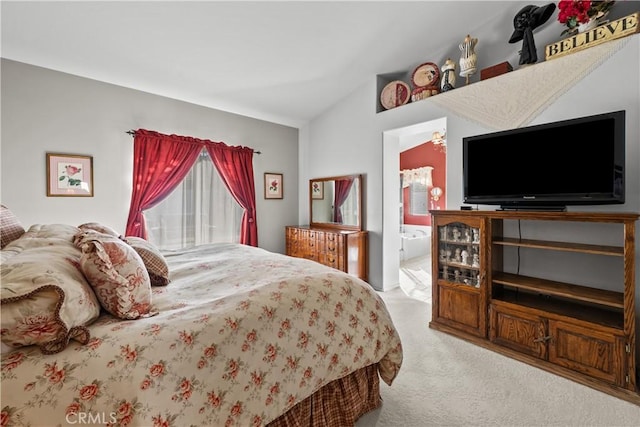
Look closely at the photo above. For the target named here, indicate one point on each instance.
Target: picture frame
(273, 185)
(69, 175)
(317, 190)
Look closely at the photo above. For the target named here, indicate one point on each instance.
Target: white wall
(48, 111)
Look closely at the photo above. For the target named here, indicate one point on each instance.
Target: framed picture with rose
(317, 190)
(69, 175)
(272, 185)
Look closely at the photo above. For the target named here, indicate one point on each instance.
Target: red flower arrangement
(575, 12)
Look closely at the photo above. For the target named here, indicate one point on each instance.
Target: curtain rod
(133, 133)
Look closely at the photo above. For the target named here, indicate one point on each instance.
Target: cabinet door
(459, 307)
(520, 331)
(589, 351)
(459, 252)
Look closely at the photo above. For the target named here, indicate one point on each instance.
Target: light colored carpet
(445, 381)
(415, 278)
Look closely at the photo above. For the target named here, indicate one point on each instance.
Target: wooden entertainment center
(580, 332)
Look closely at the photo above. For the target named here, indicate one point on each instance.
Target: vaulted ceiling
(284, 62)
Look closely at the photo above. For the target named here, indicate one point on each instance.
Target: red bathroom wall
(425, 154)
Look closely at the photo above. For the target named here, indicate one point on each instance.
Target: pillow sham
(10, 227)
(100, 228)
(153, 259)
(117, 275)
(45, 298)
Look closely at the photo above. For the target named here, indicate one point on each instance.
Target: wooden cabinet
(590, 350)
(459, 294)
(581, 332)
(519, 330)
(345, 250)
(587, 348)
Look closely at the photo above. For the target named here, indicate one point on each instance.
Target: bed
(239, 336)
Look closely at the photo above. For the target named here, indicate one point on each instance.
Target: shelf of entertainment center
(560, 289)
(514, 299)
(561, 246)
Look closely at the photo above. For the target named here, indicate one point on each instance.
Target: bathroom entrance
(420, 176)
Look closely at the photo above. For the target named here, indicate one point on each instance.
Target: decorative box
(495, 70)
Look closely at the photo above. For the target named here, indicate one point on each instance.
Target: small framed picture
(317, 190)
(69, 175)
(272, 185)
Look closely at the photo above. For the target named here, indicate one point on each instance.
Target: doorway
(414, 175)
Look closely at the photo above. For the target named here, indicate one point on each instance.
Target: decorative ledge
(514, 99)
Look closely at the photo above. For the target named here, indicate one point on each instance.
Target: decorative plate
(426, 75)
(395, 94)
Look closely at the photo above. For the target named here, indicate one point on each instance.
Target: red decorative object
(575, 12)
(495, 70)
(395, 94)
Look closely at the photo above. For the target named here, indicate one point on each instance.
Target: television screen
(570, 162)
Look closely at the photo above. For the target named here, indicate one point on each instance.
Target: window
(349, 208)
(418, 199)
(419, 182)
(199, 211)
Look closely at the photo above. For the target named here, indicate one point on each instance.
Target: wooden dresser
(345, 250)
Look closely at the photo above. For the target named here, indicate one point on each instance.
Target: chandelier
(440, 140)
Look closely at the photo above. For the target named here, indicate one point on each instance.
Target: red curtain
(342, 187)
(236, 169)
(160, 163)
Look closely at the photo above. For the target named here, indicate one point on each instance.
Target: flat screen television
(579, 161)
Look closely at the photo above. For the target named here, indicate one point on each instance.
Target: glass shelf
(459, 254)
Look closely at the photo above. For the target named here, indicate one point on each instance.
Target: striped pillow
(10, 227)
(153, 259)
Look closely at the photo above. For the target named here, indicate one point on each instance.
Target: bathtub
(415, 241)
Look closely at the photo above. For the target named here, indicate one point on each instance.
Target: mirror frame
(331, 224)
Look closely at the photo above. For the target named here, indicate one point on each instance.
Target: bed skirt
(339, 403)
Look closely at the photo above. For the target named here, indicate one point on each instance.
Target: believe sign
(610, 31)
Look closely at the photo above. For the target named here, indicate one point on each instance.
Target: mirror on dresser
(336, 202)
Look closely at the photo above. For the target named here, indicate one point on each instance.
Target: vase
(599, 19)
(589, 25)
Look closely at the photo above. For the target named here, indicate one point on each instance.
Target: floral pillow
(45, 298)
(153, 259)
(10, 227)
(117, 274)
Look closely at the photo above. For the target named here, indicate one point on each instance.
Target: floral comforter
(243, 335)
